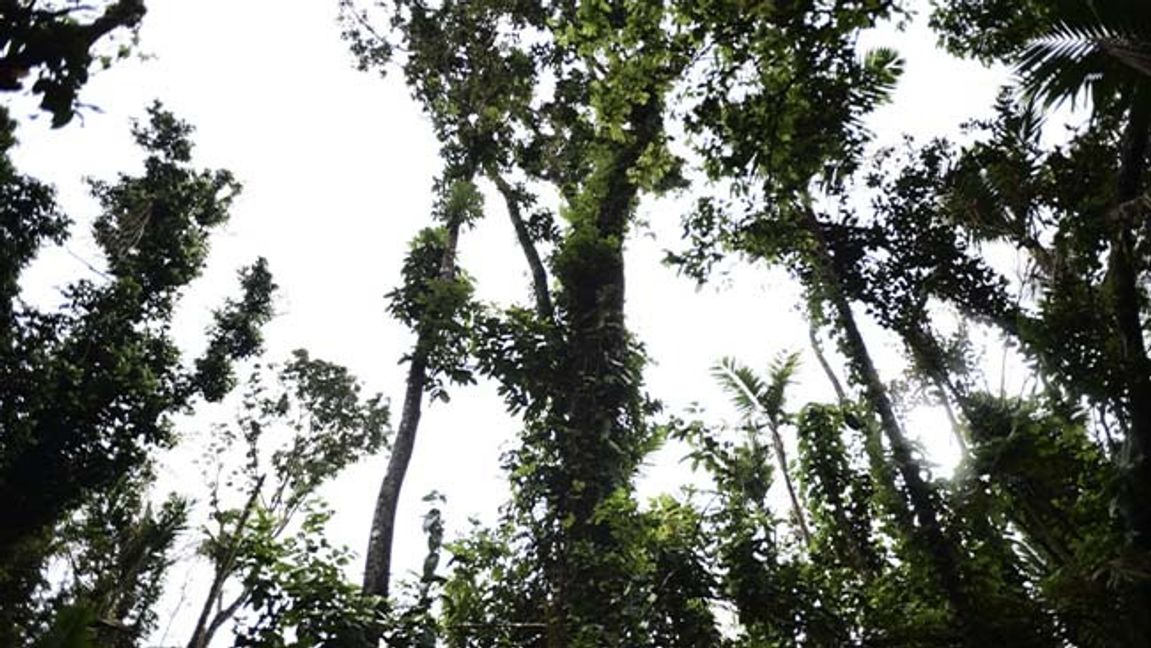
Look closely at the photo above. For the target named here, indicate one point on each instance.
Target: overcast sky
(337, 167)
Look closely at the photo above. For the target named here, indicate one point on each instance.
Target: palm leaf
(752, 395)
(779, 376)
(1094, 47)
(741, 385)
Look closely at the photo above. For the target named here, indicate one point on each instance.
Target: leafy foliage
(296, 434)
(90, 386)
(1041, 538)
(56, 39)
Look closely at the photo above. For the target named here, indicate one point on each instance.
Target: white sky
(337, 167)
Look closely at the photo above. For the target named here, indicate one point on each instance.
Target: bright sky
(337, 167)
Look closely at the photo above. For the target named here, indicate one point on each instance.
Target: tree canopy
(811, 522)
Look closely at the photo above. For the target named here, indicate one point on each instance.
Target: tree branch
(513, 198)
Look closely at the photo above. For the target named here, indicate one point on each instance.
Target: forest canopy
(813, 518)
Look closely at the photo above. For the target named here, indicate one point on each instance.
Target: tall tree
(1064, 50)
(432, 300)
(585, 431)
(756, 398)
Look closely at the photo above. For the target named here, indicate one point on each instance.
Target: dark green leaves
(56, 42)
(89, 388)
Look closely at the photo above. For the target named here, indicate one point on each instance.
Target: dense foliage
(815, 524)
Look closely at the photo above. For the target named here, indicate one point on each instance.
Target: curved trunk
(378, 564)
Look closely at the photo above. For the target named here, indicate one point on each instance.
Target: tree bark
(1124, 275)
(378, 564)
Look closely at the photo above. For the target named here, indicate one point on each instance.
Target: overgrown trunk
(377, 567)
(597, 402)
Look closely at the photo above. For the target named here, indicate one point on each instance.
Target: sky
(337, 167)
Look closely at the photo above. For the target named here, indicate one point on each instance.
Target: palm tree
(760, 403)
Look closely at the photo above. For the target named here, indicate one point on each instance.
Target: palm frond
(780, 373)
(1064, 64)
(1094, 48)
(741, 384)
(882, 67)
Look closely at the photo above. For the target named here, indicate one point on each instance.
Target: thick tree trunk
(931, 537)
(596, 401)
(1124, 276)
(378, 565)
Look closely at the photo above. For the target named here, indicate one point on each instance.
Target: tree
(755, 398)
(116, 550)
(1101, 49)
(296, 435)
(434, 300)
(90, 387)
(566, 111)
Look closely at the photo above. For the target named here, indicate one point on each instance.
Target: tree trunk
(595, 401)
(1124, 275)
(377, 566)
(202, 633)
(1135, 500)
(796, 509)
(931, 538)
(817, 348)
